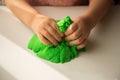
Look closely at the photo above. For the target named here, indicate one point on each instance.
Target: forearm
(98, 8)
(22, 10)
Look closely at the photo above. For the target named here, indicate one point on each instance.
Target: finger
(54, 33)
(82, 45)
(74, 35)
(73, 27)
(43, 40)
(57, 29)
(77, 41)
(47, 35)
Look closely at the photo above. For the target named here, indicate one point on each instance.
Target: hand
(46, 29)
(79, 31)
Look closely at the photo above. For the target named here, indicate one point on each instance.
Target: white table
(100, 62)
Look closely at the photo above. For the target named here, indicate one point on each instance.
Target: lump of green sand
(56, 54)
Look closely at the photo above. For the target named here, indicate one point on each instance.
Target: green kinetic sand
(56, 54)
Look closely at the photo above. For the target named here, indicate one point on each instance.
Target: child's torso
(58, 2)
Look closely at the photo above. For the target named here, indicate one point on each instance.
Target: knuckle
(46, 21)
(75, 35)
(49, 20)
(72, 28)
(38, 29)
(52, 30)
(54, 33)
(41, 38)
(79, 40)
(45, 33)
(53, 41)
(83, 45)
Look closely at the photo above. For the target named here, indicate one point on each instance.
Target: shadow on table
(5, 75)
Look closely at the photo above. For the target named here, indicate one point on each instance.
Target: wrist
(87, 20)
(36, 19)
(90, 20)
(31, 18)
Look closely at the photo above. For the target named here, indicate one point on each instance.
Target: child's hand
(46, 29)
(79, 31)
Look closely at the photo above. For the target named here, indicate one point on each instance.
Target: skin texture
(59, 54)
(46, 28)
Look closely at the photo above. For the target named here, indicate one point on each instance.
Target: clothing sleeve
(1, 2)
(116, 2)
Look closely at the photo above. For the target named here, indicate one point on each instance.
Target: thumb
(72, 28)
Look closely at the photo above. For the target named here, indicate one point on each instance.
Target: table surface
(100, 62)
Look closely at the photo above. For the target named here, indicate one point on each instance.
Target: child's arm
(98, 8)
(82, 25)
(45, 27)
(22, 10)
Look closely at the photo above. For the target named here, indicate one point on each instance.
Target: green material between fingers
(56, 54)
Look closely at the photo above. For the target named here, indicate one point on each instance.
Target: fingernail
(59, 40)
(82, 46)
(65, 33)
(66, 39)
(62, 34)
(70, 45)
(56, 44)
